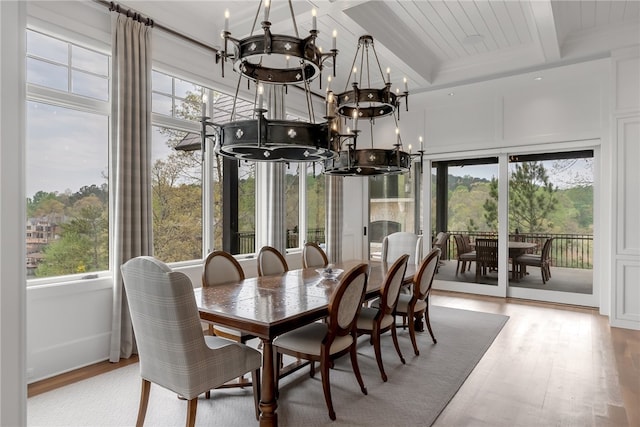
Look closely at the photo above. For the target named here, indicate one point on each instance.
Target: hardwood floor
(551, 365)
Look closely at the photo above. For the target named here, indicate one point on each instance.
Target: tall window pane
(247, 207)
(177, 198)
(315, 205)
(67, 192)
(292, 203)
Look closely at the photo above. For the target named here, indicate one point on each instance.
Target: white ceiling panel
(435, 43)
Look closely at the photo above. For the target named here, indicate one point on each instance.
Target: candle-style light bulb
(260, 96)
(409, 148)
(420, 139)
(355, 72)
(398, 135)
(388, 75)
(329, 83)
(406, 87)
(266, 10)
(226, 20)
(314, 25)
(355, 119)
(204, 105)
(335, 36)
(287, 59)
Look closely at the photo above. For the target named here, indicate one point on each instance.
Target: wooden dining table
(269, 306)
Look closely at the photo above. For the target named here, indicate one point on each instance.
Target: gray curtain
(130, 166)
(333, 202)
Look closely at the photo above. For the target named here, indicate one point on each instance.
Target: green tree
(83, 243)
(532, 199)
(490, 206)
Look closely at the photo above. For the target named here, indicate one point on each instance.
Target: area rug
(414, 395)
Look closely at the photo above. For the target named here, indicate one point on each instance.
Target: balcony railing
(247, 239)
(567, 250)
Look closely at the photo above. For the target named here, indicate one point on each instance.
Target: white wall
(12, 216)
(625, 130)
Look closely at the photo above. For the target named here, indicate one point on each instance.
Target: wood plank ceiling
(433, 43)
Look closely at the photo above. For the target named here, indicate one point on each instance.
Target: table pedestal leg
(268, 403)
(419, 325)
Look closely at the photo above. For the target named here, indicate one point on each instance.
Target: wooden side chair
(173, 350)
(221, 267)
(326, 341)
(380, 318)
(271, 261)
(543, 261)
(313, 256)
(486, 256)
(417, 304)
(464, 254)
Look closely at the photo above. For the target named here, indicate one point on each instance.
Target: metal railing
(567, 250)
(247, 239)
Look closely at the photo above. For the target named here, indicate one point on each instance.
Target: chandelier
(368, 103)
(274, 59)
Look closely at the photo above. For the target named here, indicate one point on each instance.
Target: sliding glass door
(498, 214)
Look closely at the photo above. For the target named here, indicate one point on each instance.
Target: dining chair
(313, 256)
(271, 261)
(542, 261)
(396, 244)
(417, 304)
(221, 267)
(173, 351)
(486, 256)
(440, 242)
(324, 342)
(380, 318)
(464, 254)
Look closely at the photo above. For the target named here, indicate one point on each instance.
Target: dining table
(269, 306)
(517, 248)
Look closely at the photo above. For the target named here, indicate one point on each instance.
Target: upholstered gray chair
(378, 319)
(313, 256)
(271, 261)
(173, 351)
(396, 244)
(418, 302)
(221, 267)
(326, 341)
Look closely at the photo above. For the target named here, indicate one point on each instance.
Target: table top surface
(265, 306)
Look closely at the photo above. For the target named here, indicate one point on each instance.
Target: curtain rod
(113, 6)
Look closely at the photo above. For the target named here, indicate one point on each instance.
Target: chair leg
(144, 402)
(356, 368)
(412, 334)
(426, 319)
(375, 335)
(255, 380)
(278, 366)
(394, 335)
(326, 387)
(458, 266)
(192, 405)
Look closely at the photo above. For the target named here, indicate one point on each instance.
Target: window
(67, 156)
(315, 203)
(292, 203)
(67, 67)
(176, 176)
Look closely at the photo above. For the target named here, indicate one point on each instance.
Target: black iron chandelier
(274, 59)
(368, 103)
